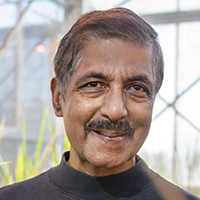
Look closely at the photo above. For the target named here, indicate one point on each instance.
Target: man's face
(108, 106)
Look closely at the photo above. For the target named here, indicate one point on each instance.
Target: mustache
(121, 126)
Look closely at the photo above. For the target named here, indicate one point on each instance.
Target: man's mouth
(110, 134)
(109, 131)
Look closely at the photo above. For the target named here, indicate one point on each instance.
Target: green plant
(4, 166)
(2, 124)
(26, 167)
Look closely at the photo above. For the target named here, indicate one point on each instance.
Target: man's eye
(138, 87)
(93, 89)
(93, 84)
(137, 91)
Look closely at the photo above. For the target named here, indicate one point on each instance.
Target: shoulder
(28, 189)
(163, 188)
(170, 191)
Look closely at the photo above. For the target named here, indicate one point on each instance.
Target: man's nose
(114, 106)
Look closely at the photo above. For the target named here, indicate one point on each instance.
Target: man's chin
(107, 165)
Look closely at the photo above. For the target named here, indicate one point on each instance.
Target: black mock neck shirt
(65, 183)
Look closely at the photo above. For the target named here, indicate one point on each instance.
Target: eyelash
(140, 87)
(137, 88)
(96, 86)
(90, 84)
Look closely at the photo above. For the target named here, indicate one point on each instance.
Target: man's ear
(56, 97)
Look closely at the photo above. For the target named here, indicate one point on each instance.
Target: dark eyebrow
(139, 78)
(97, 75)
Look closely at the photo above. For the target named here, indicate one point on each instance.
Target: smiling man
(107, 105)
(109, 68)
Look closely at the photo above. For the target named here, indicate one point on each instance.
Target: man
(109, 68)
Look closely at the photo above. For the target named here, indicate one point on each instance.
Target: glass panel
(38, 15)
(189, 71)
(7, 15)
(36, 78)
(160, 138)
(189, 60)
(188, 5)
(167, 36)
(138, 6)
(153, 6)
(189, 106)
(99, 4)
(7, 88)
(188, 147)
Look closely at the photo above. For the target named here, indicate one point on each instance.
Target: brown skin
(113, 82)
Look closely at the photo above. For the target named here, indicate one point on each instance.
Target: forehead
(113, 57)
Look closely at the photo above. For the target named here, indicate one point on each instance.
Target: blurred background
(30, 31)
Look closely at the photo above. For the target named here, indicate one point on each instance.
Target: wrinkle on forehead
(93, 60)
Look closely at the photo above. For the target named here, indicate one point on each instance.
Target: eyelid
(139, 92)
(98, 82)
(90, 77)
(136, 84)
(92, 92)
(101, 86)
(143, 81)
